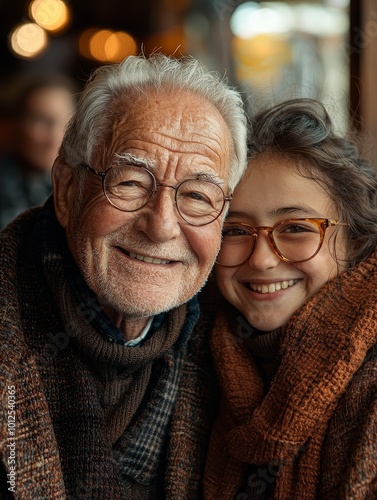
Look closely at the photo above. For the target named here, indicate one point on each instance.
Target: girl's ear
(63, 185)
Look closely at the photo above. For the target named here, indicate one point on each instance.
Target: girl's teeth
(272, 287)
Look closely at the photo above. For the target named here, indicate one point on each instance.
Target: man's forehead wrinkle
(152, 139)
(153, 165)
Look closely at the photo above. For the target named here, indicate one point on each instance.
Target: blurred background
(273, 50)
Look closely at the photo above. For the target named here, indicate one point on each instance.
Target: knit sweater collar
(264, 348)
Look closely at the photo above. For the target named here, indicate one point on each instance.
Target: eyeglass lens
(130, 188)
(295, 240)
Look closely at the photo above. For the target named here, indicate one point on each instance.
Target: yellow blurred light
(52, 15)
(28, 40)
(120, 45)
(97, 45)
(259, 59)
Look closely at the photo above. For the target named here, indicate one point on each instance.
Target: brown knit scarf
(323, 345)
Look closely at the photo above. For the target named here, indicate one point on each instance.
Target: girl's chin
(265, 324)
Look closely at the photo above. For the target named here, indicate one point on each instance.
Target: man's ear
(63, 186)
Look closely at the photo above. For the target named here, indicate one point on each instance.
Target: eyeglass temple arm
(333, 222)
(98, 174)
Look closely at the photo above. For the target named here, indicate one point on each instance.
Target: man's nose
(159, 219)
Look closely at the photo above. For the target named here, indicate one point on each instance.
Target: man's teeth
(150, 260)
(271, 287)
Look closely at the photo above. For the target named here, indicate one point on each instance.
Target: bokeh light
(120, 45)
(106, 46)
(252, 19)
(320, 21)
(97, 45)
(52, 15)
(28, 40)
(84, 42)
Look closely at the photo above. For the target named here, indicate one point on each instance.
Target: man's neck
(131, 327)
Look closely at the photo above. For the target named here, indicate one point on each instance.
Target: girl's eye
(235, 231)
(299, 228)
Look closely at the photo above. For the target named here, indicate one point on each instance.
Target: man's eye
(129, 184)
(196, 196)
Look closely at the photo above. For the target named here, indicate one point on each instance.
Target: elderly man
(104, 394)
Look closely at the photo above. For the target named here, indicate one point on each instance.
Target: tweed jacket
(37, 446)
(313, 434)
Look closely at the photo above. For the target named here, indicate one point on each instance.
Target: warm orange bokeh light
(120, 45)
(52, 15)
(97, 45)
(84, 42)
(106, 46)
(28, 40)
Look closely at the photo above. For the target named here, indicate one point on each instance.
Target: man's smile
(145, 258)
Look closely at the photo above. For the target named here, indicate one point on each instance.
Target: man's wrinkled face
(144, 262)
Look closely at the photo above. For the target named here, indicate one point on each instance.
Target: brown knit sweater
(314, 434)
(73, 402)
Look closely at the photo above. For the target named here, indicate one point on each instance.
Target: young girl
(294, 343)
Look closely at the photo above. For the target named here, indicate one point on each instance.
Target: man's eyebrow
(130, 159)
(208, 176)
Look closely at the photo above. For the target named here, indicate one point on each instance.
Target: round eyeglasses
(129, 188)
(292, 240)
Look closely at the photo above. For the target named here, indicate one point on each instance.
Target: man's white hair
(113, 84)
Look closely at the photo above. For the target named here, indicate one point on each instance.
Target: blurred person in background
(37, 121)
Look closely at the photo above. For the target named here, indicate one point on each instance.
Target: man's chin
(138, 310)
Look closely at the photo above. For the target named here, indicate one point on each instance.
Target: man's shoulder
(19, 229)
(15, 244)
